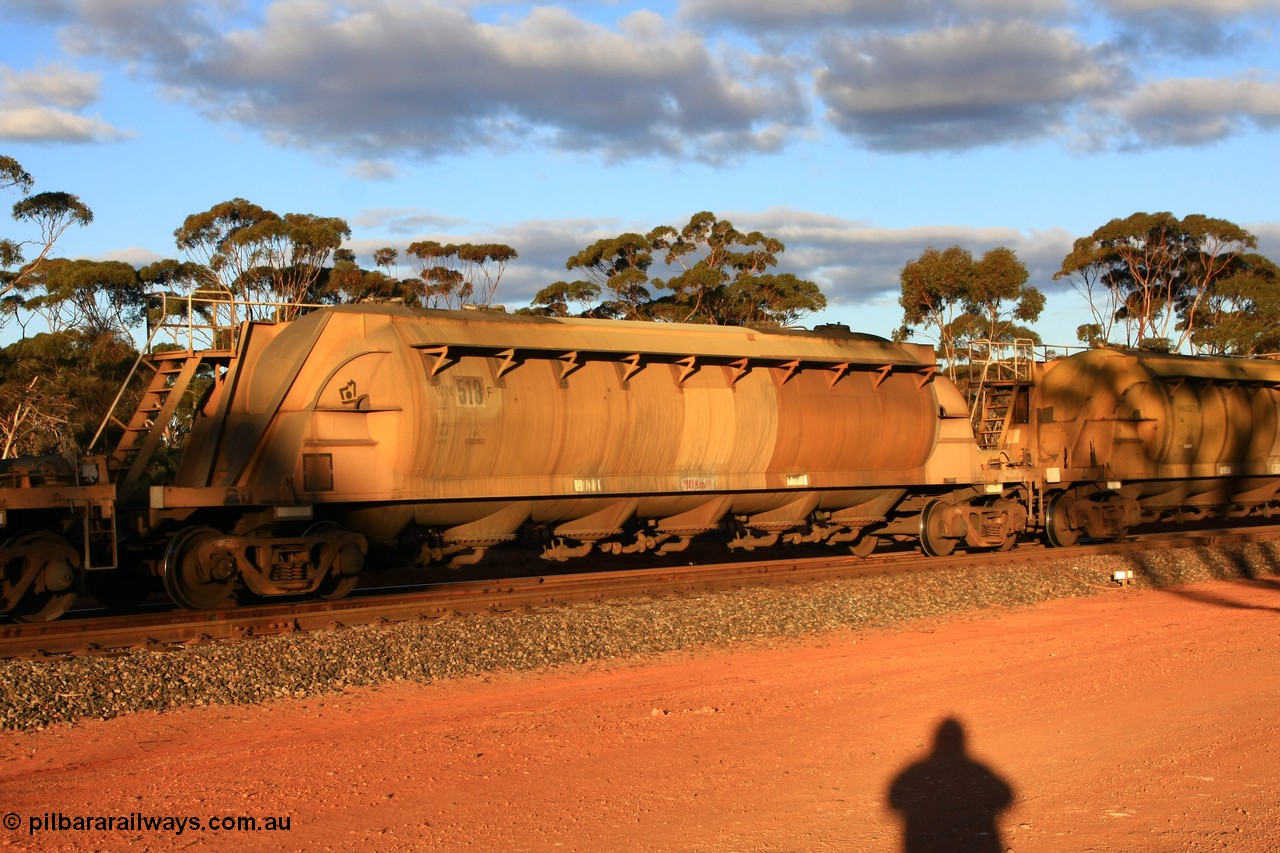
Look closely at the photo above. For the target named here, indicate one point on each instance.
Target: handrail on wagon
(205, 323)
(993, 361)
(994, 367)
(209, 319)
(194, 322)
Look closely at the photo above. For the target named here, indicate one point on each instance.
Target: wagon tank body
(1141, 436)
(618, 434)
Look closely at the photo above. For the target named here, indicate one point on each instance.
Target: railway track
(88, 632)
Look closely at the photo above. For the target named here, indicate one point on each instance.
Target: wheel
(865, 545)
(53, 589)
(340, 580)
(932, 542)
(189, 583)
(1057, 522)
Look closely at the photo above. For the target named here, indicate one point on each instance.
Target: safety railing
(995, 361)
(209, 320)
(202, 324)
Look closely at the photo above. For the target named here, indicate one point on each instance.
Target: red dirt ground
(1130, 721)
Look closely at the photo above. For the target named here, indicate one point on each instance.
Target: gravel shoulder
(1122, 719)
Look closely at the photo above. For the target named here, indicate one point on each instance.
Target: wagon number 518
(470, 391)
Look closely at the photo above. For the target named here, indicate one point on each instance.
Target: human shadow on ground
(948, 802)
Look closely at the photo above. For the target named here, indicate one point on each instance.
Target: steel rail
(89, 634)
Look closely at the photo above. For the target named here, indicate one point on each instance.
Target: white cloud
(1198, 111)
(1268, 234)
(855, 261)
(423, 79)
(377, 80)
(1207, 8)
(58, 85)
(44, 124)
(1196, 27)
(373, 170)
(764, 18)
(137, 256)
(44, 106)
(401, 220)
(544, 245)
(959, 88)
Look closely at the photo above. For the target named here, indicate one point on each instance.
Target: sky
(859, 132)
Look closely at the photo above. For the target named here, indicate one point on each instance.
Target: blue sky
(857, 131)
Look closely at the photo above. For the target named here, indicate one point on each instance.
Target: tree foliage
(719, 276)
(933, 287)
(54, 388)
(1241, 313)
(51, 214)
(455, 275)
(616, 268)
(386, 258)
(961, 299)
(725, 278)
(999, 300)
(94, 297)
(176, 276)
(13, 175)
(345, 282)
(261, 256)
(561, 298)
(1152, 273)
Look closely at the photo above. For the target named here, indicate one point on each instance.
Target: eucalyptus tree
(51, 213)
(54, 387)
(1152, 273)
(725, 276)
(556, 299)
(346, 282)
(1241, 313)
(933, 287)
(93, 297)
(616, 268)
(961, 299)
(720, 276)
(455, 275)
(261, 256)
(999, 302)
(386, 258)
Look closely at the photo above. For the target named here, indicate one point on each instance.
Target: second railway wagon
(1128, 436)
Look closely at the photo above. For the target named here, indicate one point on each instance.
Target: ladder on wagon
(184, 333)
(996, 370)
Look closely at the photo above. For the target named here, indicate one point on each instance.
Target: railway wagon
(1124, 436)
(360, 423)
(612, 437)
(56, 520)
